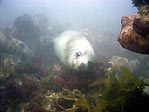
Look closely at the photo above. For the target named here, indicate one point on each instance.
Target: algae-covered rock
(138, 3)
(19, 46)
(141, 22)
(26, 31)
(7, 67)
(134, 34)
(3, 39)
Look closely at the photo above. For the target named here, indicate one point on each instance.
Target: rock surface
(134, 34)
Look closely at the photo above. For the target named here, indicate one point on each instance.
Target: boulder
(134, 34)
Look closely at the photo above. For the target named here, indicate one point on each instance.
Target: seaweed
(115, 93)
(138, 3)
(118, 91)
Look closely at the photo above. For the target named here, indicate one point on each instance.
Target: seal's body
(74, 50)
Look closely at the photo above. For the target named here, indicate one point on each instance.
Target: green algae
(112, 93)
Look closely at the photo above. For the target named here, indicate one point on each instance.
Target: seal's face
(74, 50)
(80, 59)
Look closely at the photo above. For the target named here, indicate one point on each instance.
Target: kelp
(118, 91)
(80, 100)
(113, 93)
(122, 85)
(138, 3)
(7, 67)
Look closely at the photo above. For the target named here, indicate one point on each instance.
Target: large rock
(134, 34)
(16, 49)
(14, 46)
(26, 31)
(121, 61)
(19, 47)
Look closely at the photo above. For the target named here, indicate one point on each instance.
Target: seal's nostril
(82, 65)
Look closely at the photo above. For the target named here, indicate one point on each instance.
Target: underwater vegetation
(138, 3)
(120, 91)
(20, 90)
(31, 79)
(59, 89)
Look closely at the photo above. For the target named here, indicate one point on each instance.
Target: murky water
(89, 72)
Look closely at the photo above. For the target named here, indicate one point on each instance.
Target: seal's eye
(78, 54)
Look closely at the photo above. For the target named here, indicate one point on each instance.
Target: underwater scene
(74, 55)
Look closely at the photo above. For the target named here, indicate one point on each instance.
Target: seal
(74, 50)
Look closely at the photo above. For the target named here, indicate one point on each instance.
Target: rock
(119, 61)
(7, 31)
(139, 3)
(19, 47)
(24, 24)
(26, 31)
(7, 66)
(42, 22)
(3, 41)
(141, 22)
(134, 34)
(14, 46)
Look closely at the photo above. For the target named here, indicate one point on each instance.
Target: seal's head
(81, 59)
(74, 50)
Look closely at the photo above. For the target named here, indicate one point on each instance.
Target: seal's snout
(82, 66)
